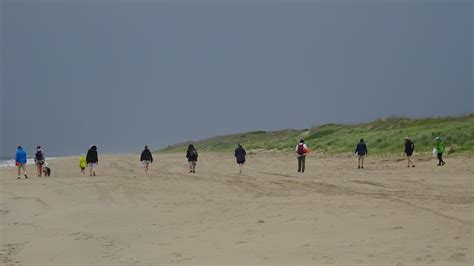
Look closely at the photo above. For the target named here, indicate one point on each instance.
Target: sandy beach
(334, 213)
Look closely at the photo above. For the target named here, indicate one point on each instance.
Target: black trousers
(301, 163)
(440, 158)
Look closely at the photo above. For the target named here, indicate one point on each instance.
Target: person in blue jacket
(361, 151)
(20, 161)
(240, 156)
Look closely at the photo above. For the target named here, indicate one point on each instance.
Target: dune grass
(382, 137)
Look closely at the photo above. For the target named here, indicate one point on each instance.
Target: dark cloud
(123, 74)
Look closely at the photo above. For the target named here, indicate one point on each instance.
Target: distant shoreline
(11, 162)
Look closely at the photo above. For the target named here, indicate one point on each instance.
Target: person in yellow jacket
(82, 163)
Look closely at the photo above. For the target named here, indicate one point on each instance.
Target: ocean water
(6, 161)
(10, 161)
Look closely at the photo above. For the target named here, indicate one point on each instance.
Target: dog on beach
(46, 171)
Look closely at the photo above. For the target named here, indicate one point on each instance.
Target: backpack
(39, 156)
(193, 154)
(301, 150)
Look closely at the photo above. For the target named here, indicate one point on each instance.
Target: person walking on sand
(240, 156)
(20, 161)
(92, 160)
(301, 151)
(82, 163)
(39, 160)
(192, 156)
(361, 151)
(440, 150)
(409, 148)
(146, 158)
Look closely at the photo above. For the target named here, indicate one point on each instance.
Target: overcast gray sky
(121, 74)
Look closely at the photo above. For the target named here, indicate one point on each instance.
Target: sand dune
(385, 214)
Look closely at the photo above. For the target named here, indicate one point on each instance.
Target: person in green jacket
(82, 163)
(440, 150)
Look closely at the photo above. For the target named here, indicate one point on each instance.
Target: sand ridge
(386, 214)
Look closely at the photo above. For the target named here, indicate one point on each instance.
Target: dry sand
(385, 214)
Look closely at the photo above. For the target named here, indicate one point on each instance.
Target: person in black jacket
(240, 156)
(192, 156)
(409, 148)
(361, 151)
(92, 159)
(39, 160)
(146, 158)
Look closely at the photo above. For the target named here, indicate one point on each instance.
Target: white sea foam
(9, 163)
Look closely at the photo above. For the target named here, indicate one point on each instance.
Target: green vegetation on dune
(382, 137)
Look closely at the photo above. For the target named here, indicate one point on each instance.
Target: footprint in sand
(457, 256)
(179, 258)
(25, 225)
(9, 251)
(327, 259)
(81, 236)
(109, 244)
(4, 212)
